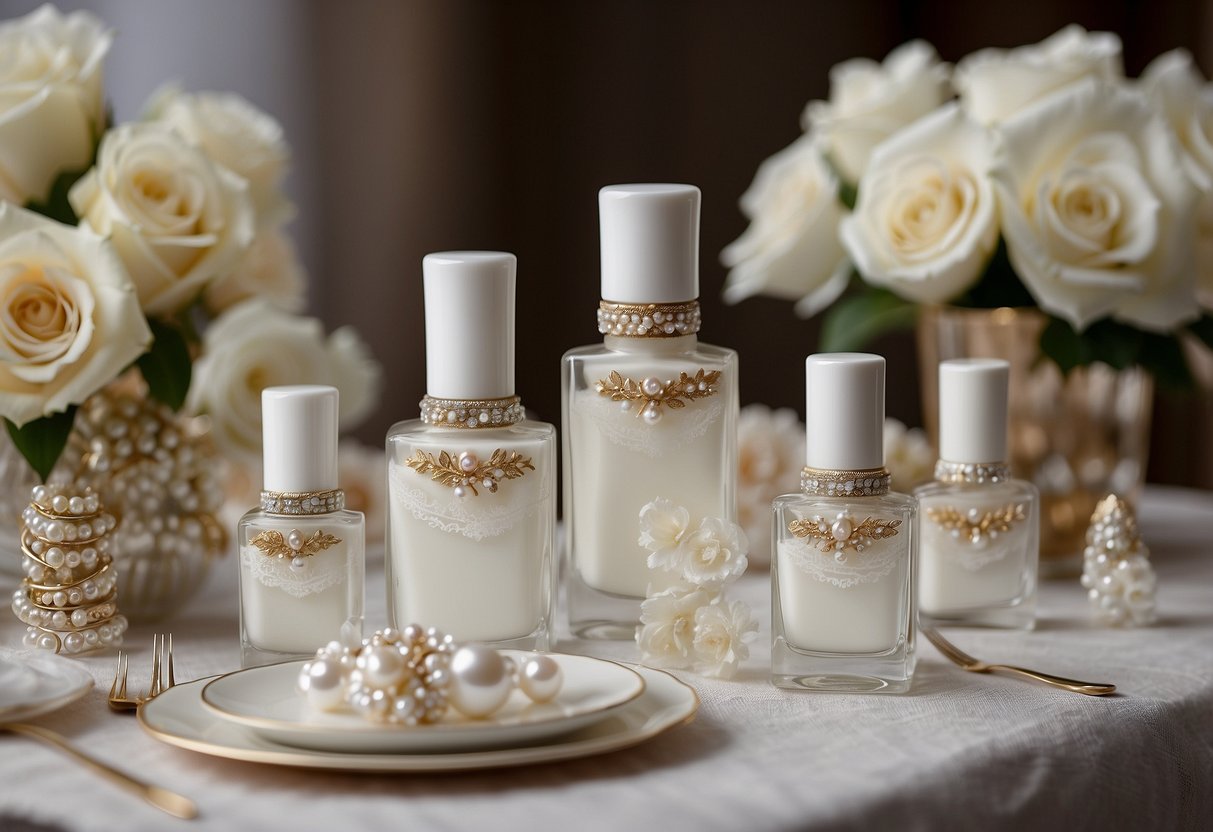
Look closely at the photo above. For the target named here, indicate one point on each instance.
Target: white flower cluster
(1101, 187)
(770, 453)
(908, 455)
(1116, 569)
(691, 624)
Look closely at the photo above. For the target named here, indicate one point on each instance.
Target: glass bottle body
(301, 583)
(843, 617)
(477, 566)
(617, 458)
(979, 554)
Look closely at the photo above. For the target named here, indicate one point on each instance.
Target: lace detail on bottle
(319, 572)
(843, 570)
(489, 515)
(972, 558)
(625, 429)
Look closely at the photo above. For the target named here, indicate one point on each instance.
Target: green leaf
(43, 440)
(999, 285)
(853, 322)
(166, 367)
(1115, 344)
(1063, 346)
(1202, 328)
(1163, 357)
(57, 206)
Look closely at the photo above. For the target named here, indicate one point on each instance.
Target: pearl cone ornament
(1116, 570)
(68, 599)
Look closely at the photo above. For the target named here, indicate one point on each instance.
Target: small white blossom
(714, 554)
(666, 635)
(907, 455)
(662, 527)
(770, 454)
(721, 633)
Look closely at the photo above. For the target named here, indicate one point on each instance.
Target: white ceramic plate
(179, 718)
(264, 700)
(37, 682)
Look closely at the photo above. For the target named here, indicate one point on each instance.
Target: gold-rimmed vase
(1077, 437)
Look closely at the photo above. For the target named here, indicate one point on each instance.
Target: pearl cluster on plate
(472, 413)
(1116, 569)
(649, 320)
(413, 675)
(68, 598)
(160, 474)
(825, 483)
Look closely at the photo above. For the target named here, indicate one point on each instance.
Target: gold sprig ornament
(465, 472)
(843, 534)
(647, 397)
(977, 527)
(294, 545)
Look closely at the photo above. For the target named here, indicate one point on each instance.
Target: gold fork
(954, 653)
(163, 676)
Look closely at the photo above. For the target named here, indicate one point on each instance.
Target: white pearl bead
(59, 504)
(79, 618)
(294, 539)
(298, 564)
(651, 414)
(468, 462)
(76, 505)
(54, 557)
(651, 386)
(383, 666)
(540, 678)
(460, 491)
(480, 681)
(320, 681)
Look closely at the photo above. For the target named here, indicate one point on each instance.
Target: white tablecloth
(958, 751)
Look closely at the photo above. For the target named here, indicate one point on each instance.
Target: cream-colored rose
(1175, 85)
(994, 84)
(666, 635)
(51, 99)
(270, 269)
(237, 135)
(714, 554)
(870, 101)
(926, 221)
(1098, 208)
(662, 527)
(69, 318)
(791, 248)
(257, 345)
(177, 220)
(770, 454)
(722, 631)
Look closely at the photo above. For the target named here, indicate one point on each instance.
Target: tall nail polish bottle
(980, 528)
(650, 412)
(472, 483)
(302, 555)
(842, 574)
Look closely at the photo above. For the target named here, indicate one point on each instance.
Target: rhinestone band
(648, 320)
(971, 472)
(302, 502)
(821, 482)
(472, 413)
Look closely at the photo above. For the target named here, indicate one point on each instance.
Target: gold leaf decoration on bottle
(465, 473)
(975, 526)
(843, 534)
(649, 395)
(274, 544)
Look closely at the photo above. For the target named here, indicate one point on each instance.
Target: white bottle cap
(299, 437)
(844, 411)
(469, 324)
(650, 243)
(973, 410)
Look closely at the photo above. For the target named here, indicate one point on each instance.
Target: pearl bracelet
(412, 676)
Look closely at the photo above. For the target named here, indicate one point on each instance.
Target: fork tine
(157, 646)
(125, 661)
(946, 647)
(117, 673)
(172, 679)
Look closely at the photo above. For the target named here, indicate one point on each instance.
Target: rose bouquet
(156, 246)
(1037, 176)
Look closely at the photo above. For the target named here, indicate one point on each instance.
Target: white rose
(714, 554)
(770, 454)
(69, 318)
(721, 633)
(257, 345)
(666, 635)
(791, 248)
(662, 526)
(870, 101)
(1098, 208)
(237, 135)
(1173, 82)
(270, 269)
(51, 100)
(994, 84)
(907, 455)
(177, 220)
(926, 221)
